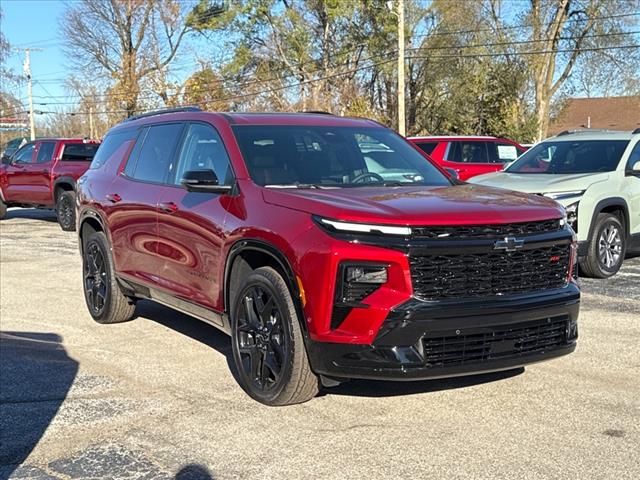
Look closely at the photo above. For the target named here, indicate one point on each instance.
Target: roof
(455, 137)
(587, 134)
(614, 113)
(246, 118)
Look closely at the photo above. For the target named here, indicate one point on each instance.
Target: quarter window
(111, 144)
(427, 147)
(203, 150)
(153, 159)
(45, 152)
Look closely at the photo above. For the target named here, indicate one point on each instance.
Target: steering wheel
(362, 176)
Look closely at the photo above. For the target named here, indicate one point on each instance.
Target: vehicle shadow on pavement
(35, 376)
(376, 388)
(31, 214)
(212, 337)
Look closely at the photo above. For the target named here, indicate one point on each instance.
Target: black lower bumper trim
(421, 340)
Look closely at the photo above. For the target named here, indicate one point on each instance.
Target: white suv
(595, 175)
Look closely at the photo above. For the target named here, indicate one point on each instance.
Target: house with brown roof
(609, 113)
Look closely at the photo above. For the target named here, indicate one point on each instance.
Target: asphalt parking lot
(155, 398)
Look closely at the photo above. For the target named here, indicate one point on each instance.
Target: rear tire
(607, 248)
(104, 298)
(267, 341)
(66, 210)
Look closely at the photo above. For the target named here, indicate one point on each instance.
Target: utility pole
(91, 123)
(401, 115)
(27, 72)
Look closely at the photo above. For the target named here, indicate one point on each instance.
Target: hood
(451, 205)
(540, 182)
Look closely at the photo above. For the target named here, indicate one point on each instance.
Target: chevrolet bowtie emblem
(509, 244)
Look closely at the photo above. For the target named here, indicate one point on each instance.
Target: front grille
(485, 274)
(486, 231)
(497, 342)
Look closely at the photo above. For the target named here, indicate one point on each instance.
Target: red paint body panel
(441, 153)
(179, 242)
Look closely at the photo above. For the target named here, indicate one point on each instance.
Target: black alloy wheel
(96, 284)
(66, 211)
(104, 297)
(268, 345)
(262, 343)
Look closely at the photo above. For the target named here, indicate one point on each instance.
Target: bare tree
(132, 41)
(562, 32)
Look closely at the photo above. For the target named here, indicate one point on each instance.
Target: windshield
(320, 157)
(585, 156)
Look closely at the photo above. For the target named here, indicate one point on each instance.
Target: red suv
(469, 156)
(321, 262)
(43, 174)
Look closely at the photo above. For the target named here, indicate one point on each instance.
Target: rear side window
(427, 147)
(45, 152)
(79, 152)
(113, 143)
(152, 157)
(468, 152)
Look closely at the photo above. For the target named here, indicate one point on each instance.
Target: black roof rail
(637, 130)
(164, 110)
(318, 112)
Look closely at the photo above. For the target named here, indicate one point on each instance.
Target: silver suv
(595, 175)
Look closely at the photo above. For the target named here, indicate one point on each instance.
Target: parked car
(469, 156)
(596, 176)
(43, 174)
(272, 228)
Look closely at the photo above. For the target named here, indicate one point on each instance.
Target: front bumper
(421, 340)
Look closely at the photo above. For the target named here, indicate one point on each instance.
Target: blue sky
(34, 23)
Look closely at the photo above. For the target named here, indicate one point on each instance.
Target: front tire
(105, 300)
(268, 346)
(66, 210)
(607, 248)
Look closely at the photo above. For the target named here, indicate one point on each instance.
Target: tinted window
(156, 152)
(203, 150)
(427, 147)
(332, 157)
(468, 152)
(585, 156)
(110, 145)
(24, 154)
(45, 152)
(79, 152)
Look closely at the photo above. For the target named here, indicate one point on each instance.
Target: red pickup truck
(43, 174)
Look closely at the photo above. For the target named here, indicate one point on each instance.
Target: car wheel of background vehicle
(66, 210)
(607, 248)
(105, 300)
(3, 209)
(268, 346)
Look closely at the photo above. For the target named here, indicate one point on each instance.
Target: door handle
(168, 207)
(18, 165)
(44, 170)
(113, 197)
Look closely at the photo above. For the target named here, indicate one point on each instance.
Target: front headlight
(571, 212)
(349, 227)
(564, 195)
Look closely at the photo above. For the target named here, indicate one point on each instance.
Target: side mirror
(635, 169)
(203, 181)
(452, 173)
(6, 160)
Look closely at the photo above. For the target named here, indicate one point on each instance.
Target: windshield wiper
(389, 183)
